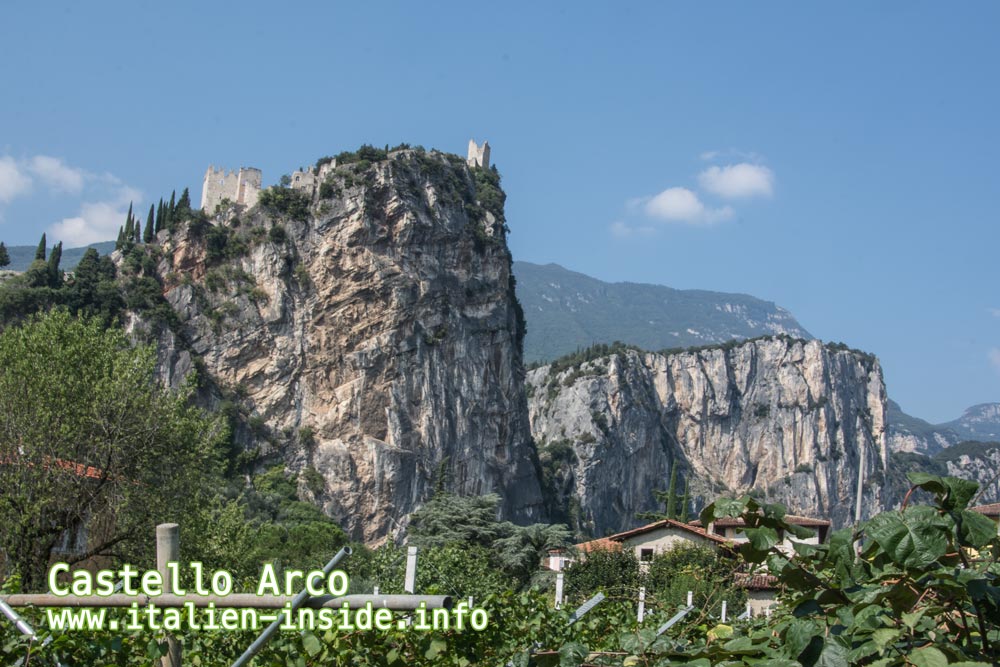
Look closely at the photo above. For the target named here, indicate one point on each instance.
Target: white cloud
(738, 180)
(96, 221)
(995, 312)
(13, 181)
(683, 205)
(995, 357)
(622, 230)
(57, 174)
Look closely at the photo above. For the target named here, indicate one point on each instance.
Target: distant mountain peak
(567, 310)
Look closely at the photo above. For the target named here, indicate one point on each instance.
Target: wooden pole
(168, 551)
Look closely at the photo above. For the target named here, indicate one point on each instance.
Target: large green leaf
(915, 537)
(953, 493)
(928, 657)
(974, 529)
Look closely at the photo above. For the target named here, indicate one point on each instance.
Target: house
(762, 591)
(646, 541)
(732, 530)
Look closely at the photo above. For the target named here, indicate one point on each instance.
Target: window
(645, 555)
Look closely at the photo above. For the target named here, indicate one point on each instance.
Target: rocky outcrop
(790, 420)
(367, 329)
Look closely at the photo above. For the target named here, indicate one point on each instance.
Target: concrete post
(410, 583)
(723, 611)
(559, 589)
(168, 551)
(642, 603)
(690, 598)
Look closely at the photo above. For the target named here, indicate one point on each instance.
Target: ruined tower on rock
(479, 156)
(242, 187)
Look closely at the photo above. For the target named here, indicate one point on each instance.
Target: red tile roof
(756, 582)
(989, 510)
(729, 522)
(613, 542)
(78, 469)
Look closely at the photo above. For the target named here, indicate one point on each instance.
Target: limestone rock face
(791, 420)
(372, 336)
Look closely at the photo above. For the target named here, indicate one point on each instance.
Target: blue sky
(839, 160)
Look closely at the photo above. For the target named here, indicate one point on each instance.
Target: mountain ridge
(570, 310)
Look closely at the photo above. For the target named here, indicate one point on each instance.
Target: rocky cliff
(790, 420)
(365, 330)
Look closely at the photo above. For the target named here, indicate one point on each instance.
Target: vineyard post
(411, 570)
(723, 611)
(168, 551)
(559, 589)
(642, 603)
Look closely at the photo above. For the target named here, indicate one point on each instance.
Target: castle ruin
(479, 156)
(241, 187)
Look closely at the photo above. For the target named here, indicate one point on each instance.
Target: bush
(277, 234)
(293, 203)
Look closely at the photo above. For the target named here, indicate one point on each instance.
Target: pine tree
(4, 255)
(147, 233)
(55, 275)
(40, 252)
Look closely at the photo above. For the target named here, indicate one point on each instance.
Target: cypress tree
(129, 232)
(55, 275)
(120, 243)
(147, 233)
(173, 205)
(40, 252)
(184, 204)
(672, 495)
(137, 230)
(158, 226)
(4, 255)
(685, 501)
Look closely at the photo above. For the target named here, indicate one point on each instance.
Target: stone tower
(241, 187)
(479, 156)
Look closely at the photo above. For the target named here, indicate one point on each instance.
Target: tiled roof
(989, 510)
(756, 582)
(614, 541)
(78, 469)
(728, 522)
(600, 544)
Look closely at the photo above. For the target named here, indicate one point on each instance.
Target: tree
(40, 251)
(184, 203)
(448, 519)
(160, 223)
(55, 274)
(675, 506)
(4, 256)
(522, 551)
(147, 233)
(88, 440)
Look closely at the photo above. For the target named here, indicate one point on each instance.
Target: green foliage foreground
(920, 591)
